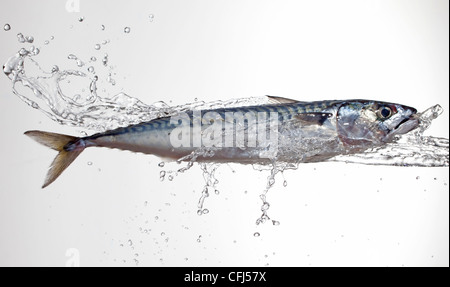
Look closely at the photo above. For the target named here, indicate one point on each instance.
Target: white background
(331, 214)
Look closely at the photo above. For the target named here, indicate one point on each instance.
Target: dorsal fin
(279, 100)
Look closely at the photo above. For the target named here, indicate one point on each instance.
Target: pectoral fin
(309, 119)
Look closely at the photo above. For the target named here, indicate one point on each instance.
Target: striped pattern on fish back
(285, 112)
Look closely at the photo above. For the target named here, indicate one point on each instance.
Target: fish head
(363, 123)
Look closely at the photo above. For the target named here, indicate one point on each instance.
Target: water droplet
(151, 17)
(105, 60)
(170, 177)
(93, 59)
(285, 183)
(162, 233)
(97, 47)
(130, 243)
(265, 206)
(102, 27)
(46, 42)
(81, 19)
(162, 174)
(127, 30)
(52, 37)
(89, 163)
(20, 38)
(217, 192)
(256, 234)
(205, 211)
(7, 27)
(161, 164)
(35, 51)
(91, 69)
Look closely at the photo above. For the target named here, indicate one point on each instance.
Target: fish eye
(384, 112)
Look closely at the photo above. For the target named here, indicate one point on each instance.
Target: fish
(283, 130)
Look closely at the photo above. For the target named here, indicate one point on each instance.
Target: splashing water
(209, 170)
(91, 111)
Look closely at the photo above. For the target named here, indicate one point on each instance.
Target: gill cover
(363, 123)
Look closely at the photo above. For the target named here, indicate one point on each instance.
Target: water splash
(93, 111)
(274, 168)
(209, 170)
(89, 110)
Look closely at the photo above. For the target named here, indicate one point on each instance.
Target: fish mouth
(404, 126)
(401, 123)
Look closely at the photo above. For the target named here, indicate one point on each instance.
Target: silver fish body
(284, 130)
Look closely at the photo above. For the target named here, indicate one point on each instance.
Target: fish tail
(69, 148)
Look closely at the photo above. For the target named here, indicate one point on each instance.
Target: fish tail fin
(69, 148)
